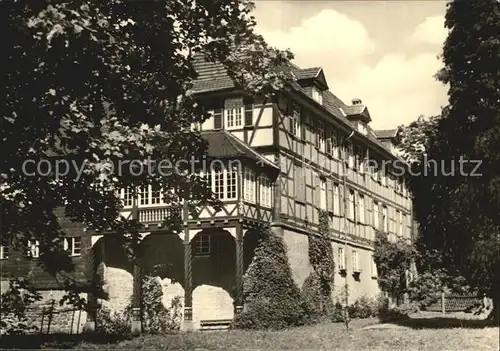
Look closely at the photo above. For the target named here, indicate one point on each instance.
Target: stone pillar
(239, 270)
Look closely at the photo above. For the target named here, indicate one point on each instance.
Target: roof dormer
(390, 138)
(357, 111)
(313, 81)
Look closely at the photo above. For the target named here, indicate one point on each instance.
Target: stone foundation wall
(49, 317)
(297, 245)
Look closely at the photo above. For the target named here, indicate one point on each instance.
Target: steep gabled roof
(386, 133)
(313, 74)
(307, 73)
(213, 77)
(222, 144)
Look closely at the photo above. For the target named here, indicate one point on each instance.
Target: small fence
(454, 303)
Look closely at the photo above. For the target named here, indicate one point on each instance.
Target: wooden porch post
(136, 326)
(239, 269)
(188, 282)
(136, 320)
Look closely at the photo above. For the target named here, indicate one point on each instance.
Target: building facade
(279, 162)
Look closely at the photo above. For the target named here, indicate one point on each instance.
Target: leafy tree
(98, 83)
(432, 277)
(393, 260)
(414, 138)
(457, 210)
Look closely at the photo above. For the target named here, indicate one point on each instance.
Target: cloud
(396, 87)
(431, 31)
(328, 34)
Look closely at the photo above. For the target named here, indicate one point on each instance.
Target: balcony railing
(159, 214)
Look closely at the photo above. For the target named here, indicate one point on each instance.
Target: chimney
(356, 101)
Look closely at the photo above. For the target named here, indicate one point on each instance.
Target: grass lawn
(416, 334)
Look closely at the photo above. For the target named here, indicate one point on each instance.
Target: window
(357, 157)
(201, 245)
(362, 128)
(350, 154)
(355, 261)
(385, 220)
(4, 249)
(322, 195)
(335, 144)
(73, 245)
(376, 215)
(249, 186)
(218, 183)
(224, 183)
(34, 248)
(127, 197)
(376, 173)
(234, 118)
(328, 144)
(317, 95)
(352, 214)
(398, 185)
(320, 136)
(231, 187)
(361, 160)
(295, 121)
(361, 209)
(341, 254)
(383, 177)
(265, 192)
(374, 266)
(336, 200)
(144, 195)
(156, 195)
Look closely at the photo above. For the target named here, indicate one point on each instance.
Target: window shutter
(329, 197)
(342, 201)
(317, 192)
(218, 118)
(296, 180)
(328, 135)
(248, 111)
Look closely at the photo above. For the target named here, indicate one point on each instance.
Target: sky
(383, 52)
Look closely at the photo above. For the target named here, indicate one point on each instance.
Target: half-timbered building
(280, 161)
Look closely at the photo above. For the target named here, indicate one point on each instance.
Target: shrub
(396, 313)
(338, 314)
(364, 307)
(393, 261)
(156, 318)
(13, 305)
(321, 259)
(271, 298)
(114, 325)
(311, 292)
